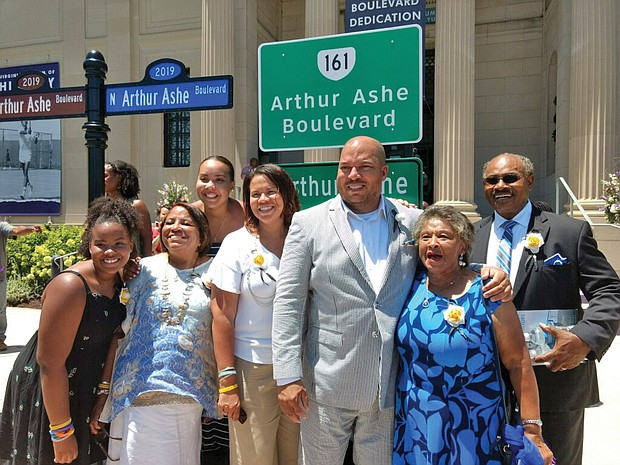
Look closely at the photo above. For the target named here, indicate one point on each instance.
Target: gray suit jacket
(330, 328)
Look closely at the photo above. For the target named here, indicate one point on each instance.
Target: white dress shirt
(370, 231)
(519, 231)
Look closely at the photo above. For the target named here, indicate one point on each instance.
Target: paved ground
(602, 423)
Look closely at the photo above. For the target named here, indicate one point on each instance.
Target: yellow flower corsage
(454, 315)
(124, 296)
(534, 241)
(259, 260)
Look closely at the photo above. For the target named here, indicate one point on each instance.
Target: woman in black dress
(54, 380)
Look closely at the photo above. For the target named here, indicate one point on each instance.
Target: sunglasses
(507, 179)
(100, 437)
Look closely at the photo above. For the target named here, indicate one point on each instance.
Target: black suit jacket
(540, 287)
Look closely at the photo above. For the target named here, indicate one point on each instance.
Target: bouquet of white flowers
(173, 193)
(612, 198)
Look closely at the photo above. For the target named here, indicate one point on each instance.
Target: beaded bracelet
(232, 387)
(105, 392)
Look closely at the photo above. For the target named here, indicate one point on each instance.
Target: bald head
(366, 144)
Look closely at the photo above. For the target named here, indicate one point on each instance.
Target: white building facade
(534, 77)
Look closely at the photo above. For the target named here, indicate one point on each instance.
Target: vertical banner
(30, 154)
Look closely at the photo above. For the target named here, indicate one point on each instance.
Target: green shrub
(18, 291)
(29, 258)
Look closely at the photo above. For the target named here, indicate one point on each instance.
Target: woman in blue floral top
(164, 376)
(449, 404)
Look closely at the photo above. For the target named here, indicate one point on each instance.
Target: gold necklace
(221, 225)
(425, 302)
(443, 288)
(166, 316)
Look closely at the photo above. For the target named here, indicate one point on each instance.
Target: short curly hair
(129, 184)
(459, 223)
(109, 210)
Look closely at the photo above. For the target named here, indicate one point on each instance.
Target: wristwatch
(537, 421)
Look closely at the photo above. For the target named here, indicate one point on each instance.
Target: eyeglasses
(507, 178)
(100, 437)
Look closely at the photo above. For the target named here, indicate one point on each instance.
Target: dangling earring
(462, 260)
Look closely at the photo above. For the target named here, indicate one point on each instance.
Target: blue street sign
(200, 94)
(166, 87)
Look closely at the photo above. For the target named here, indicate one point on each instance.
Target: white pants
(157, 434)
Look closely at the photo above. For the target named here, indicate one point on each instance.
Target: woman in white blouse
(244, 276)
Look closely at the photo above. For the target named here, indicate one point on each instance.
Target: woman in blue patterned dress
(164, 376)
(449, 404)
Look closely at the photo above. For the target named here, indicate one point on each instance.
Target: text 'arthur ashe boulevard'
(328, 122)
(168, 96)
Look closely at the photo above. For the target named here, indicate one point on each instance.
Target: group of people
(357, 320)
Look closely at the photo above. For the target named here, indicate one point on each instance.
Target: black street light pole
(96, 135)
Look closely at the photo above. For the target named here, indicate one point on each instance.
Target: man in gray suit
(345, 273)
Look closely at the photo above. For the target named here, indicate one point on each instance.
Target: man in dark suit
(550, 277)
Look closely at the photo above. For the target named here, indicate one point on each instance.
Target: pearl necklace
(166, 316)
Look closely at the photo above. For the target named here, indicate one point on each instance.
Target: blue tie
(504, 251)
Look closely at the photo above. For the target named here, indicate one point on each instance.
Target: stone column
(593, 119)
(321, 20)
(246, 83)
(218, 54)
(454, 105)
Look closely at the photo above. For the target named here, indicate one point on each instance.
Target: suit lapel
(527, 265)
(338, 218)
(479, 254)
(394, 242)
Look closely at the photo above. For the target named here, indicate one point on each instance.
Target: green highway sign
(320, 92)
(316, 182)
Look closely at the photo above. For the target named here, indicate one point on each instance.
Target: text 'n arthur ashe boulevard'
(210, 93)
